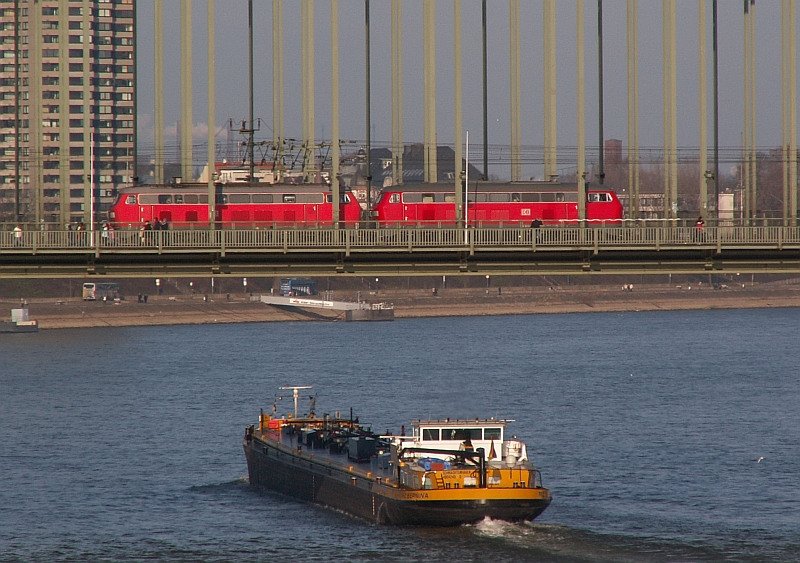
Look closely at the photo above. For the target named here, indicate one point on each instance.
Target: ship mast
(295, 393)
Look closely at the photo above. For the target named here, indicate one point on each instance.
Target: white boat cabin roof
(448, 429)
(459, 422)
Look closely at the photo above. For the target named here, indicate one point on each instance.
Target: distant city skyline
(232, 68)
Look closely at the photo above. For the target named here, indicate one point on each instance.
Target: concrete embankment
(194, 309)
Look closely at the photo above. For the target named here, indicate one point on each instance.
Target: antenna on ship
(295, 393)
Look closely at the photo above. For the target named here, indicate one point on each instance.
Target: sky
(232, 96)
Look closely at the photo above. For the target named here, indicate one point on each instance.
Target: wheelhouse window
(462, 434)
(430, 434)
(492, 433)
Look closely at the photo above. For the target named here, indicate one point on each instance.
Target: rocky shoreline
(195, 309)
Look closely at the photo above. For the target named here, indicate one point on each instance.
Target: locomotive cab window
(604, 197)
(428, 198)
(289, 198)
(165, 198)
(394, 198)
(178, 198)
(515, 198)
(190, 198)
(343, 198)
(130, 200)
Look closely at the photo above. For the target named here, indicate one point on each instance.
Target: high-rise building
(67, 107)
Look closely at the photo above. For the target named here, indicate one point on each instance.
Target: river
(125, 443)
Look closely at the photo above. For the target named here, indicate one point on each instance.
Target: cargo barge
(445, 473)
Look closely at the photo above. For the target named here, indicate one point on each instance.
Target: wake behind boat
(446, 473)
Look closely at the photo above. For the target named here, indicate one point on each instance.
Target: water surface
(126, 443)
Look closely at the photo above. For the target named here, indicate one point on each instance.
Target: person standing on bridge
(698, 228)
(18, 235)
(535, 225)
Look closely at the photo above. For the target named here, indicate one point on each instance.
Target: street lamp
(602, 173)
(716, 107)
(709, 176)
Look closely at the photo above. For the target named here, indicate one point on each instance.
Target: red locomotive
(237, 205)
(493, 204)
(310, 205)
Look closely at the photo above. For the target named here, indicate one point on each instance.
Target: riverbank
(195, 309)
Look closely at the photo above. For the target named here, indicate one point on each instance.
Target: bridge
(400, 252)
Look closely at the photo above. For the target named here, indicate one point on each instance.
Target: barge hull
(318, 482)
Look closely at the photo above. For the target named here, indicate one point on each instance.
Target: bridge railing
(518, 238)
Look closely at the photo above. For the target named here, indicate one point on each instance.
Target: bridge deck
(402, 252)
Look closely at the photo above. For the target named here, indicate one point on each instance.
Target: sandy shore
(168, 310)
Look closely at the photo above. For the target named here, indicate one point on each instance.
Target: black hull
(272, 469)
(455, 513)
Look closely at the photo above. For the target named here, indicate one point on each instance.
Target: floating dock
(353, 311)
(19, 322)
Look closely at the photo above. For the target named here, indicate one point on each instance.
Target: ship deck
(292, 442)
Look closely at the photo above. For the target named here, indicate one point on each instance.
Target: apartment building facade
(67, 108)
